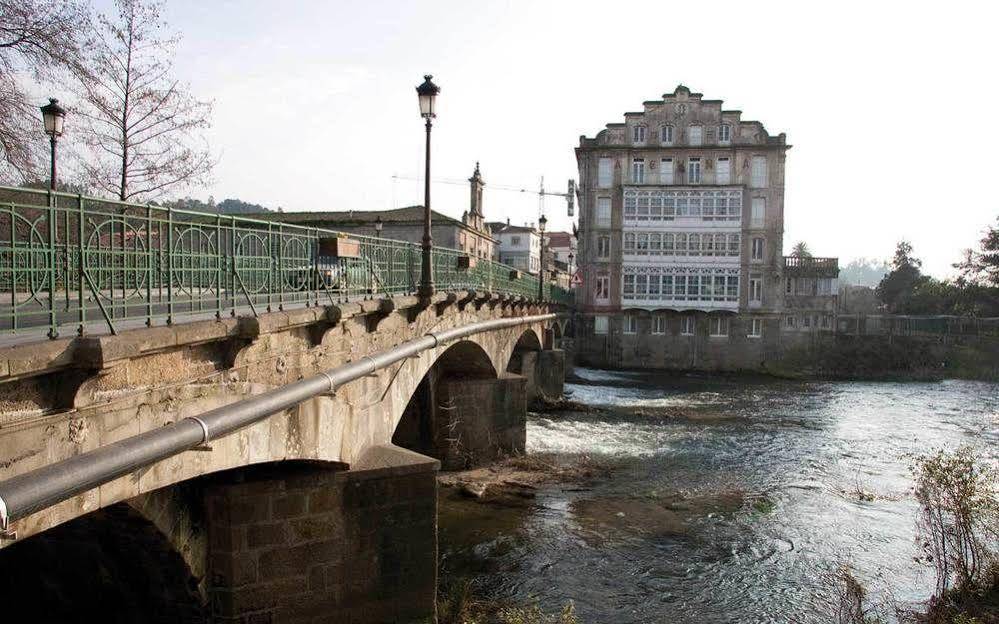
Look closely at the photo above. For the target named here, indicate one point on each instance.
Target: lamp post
(541, 269)
(53, 115)
(569, 266)
(428, 100)
(378, 226)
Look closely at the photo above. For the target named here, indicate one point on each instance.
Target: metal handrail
(43, 487)
(75, 260)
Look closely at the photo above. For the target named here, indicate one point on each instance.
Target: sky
(316, 109)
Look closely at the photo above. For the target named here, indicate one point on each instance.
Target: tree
(981, 268)
(39, 40)
(143, 129)
(897, 286)
(800, 250)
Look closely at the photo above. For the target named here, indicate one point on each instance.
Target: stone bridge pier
(326, 512)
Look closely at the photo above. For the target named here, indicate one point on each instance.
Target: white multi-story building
(681, 236)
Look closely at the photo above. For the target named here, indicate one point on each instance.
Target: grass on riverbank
(459, 603)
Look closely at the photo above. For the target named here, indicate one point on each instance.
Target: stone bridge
(322, 512)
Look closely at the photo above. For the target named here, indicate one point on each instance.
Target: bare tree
(143, 129)
(40, 41)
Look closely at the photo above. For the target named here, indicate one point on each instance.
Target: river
(732, 500)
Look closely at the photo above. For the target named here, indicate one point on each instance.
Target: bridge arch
(111, 565)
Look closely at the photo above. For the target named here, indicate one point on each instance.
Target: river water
(732, 500)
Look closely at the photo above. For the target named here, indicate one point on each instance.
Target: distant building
(680, 241)
(519, 245)
(562, 245)
(468, 234)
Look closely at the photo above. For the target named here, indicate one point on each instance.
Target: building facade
(469, 234)
(519, 245)
(681, 237)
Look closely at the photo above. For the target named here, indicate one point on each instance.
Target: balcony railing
(809, 266)
(80, 263)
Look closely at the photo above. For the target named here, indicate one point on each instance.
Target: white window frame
(630, 324)
(601, 325)
(693, 171)
(727, 178)
(639, 133)
(756, 288)
(605, 172)
(603, 247)
(758, 177)
(659, 324)
(758, 212)
(724, 134)
(790, 322)
(755, 328)
(638, 171)
(666, 171)
(688, 325)
(718, 326)
(695, 138)
(602, 215)
(757, 249)
(666, 134)
(602, 292)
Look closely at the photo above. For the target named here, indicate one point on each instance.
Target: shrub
(958, 522)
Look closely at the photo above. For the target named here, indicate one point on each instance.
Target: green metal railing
(87, 263)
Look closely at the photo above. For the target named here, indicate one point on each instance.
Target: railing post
(81, 269)
(169, 261)
(218, 267)
(150, 257)
(53, 326)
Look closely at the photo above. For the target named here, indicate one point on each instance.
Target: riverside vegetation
(958, 535)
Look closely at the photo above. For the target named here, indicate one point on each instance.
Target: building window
(605, 173)
(630, 324)
(600, 325)
(806, 321)
(666, 171)
(756, 328)
(789, 321)
(718, 326)
(696, 134)
(724, 134)
(756, 289)
(515, 241)
(638, 134)
(757, 251)
(603, 247)
(759, 172)
(723, 174)
(603, 212)
(603, 288)
(694, 171)
(659, 324)
(759, 212)
(826, 321)
(687, 326)
(666, 135)
(638, 171)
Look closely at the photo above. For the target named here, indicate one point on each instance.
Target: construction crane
(569, 196)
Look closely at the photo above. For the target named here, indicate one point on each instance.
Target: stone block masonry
(479, 420)
(317, 544)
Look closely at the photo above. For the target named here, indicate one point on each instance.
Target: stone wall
(317, 544)
(479, 420)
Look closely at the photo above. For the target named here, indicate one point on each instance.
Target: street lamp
(428, 110)
(542, 222)
(53, 115)
(378, 226)
(569, 265)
